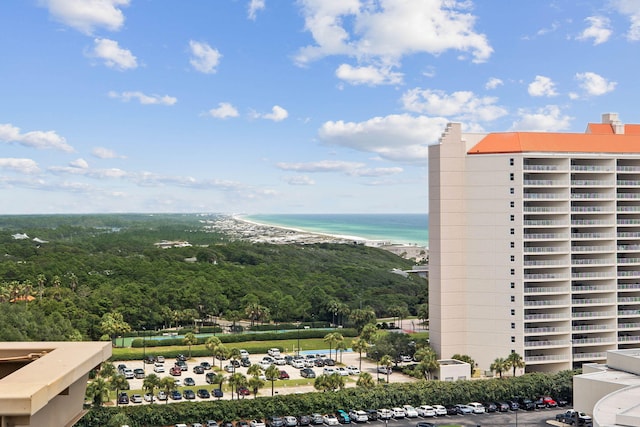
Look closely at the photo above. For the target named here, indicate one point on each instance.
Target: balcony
(546, 236)
(592, 236)
(628, 300)
(628, 260)
(590, 222)
(591, 196)
(592, 356)
(629, 234)
(632, 221)
(593, 248)
(545, 209)
(544, 196)
(546, 316)
(545, 263)
(591, 209)
(591, 168)
(592, 301)
(593, 275)
(542, 168)
(545, 183)
(544, 249)
(591, 261)
(546, 330)
(628, 286)
(546, 290)
(627, 182)
(630, 325)
(587, 328)
(593, 314)
(591, 183)
(629, 338)
(544, 303)
(629, 313)
(544, 222)
(592, 341)
(627, 274)
(592, 288)
(628, 196)
(547, 358)
(625, 168)
(546, 343)
(546, 276)
(630, 248)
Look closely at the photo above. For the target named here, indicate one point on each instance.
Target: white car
(279, 360)
(128, 373)
(330, 420)
(148, 397)
(274, 352)
(398, 413)
(244, 353)
(136, 398)
(256, 423)
(358, 416)
(290, 421)
(410, 411)
(328, 370)
(385, 414)
(384, 370)
(342, 371)
(477, 408)
(297, 363)
(426, 411)
(158, 368)
(440, 410)
(353, 370)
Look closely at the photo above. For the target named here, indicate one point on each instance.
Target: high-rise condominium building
(534, 244)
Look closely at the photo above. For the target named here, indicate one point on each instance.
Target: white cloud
(254, 7)
(26, 166)
(144, 99)
(105, 153)
(542, 86)
(594, 84)
(387, 30)
(369, 75)
(631, 8)
(547, 119)
(321, 166)
(493, 83)
(224, 110)
(87, 15)
(599, 30)
(376, 172)
(113, 55)
(299, 180)
(463, 105)
(35, 139)
(277, 114)
(79, 163)
(402, 138)
(204, 58)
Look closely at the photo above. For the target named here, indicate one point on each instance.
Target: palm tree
(365, 380)
(167, 384)
(387, 361)
(360, 345)
(427, 361)
(190, 339)
(322, 383)
(234, 354)
(272, 373)
(237, 380)
(150, 383)
(255, 384)
(107, 370)
(499, 366)
(342, 346)
(514, 360)
(218, 379)
(369, 332)
(222, 353)
(212, 344)
(336, 381)
(98, 392)
(332, 338)
(118, 382)
(254, 370)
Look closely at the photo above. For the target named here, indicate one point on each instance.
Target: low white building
(453, 370)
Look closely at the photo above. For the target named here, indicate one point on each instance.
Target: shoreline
(238, 227)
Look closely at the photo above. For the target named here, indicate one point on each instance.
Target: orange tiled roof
(607, 129)
(521, 142)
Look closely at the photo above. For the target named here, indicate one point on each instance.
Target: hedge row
(387, 395)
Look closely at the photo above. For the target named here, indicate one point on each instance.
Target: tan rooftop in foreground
(44, 383)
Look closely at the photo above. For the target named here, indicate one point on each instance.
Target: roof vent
(616, 124)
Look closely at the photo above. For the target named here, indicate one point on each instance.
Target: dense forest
(60, 275)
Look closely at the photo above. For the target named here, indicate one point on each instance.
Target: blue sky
(276, 106)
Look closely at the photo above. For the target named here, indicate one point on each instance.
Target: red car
(175, 371)
(549, 402)
(284, 375)
(243, 391)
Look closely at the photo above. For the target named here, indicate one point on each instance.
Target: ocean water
(395, 228)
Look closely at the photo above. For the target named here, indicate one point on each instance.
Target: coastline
(240, 228)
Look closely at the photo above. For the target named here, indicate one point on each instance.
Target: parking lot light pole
(144, 349)
(298, 348)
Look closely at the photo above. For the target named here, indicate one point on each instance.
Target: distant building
(43, 384)
(165, 244)
(534, 244)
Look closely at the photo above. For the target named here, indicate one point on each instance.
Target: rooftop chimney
(616, 124)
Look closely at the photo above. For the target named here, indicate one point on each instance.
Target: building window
(513, 285)
(513, 312)
(513, 271)
(512, 217)
(512, 244)
(512, 204)
(512, 190)
(513, 298)
(513, 325)
(511, 162)
(513, 339)
(512, 177)
(512, 231)
(513, 258)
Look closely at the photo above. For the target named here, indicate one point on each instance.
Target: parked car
(398, 412)
(243, 391)
(385, 414)
(328, 370)
(218, 393)
(290, 421)
(183, 365)
(244, 353)
(463, 409)
(158, 368)
(358, 416)
(149, 359)
(181, 358)
(162, 395)
(549, 401)
(476, 408)
(329, 362)
(275, 421)
(189, 382)
(206, 365)
(372, 414)
(175, 371)
(160, 359)
(440, 410)
(409, 411)
(318, 363)
(245, 362)
(451, 410)
(385, 370)
(148, 397)
(342, 371)
(307, 373)
(203, 393)
(188, 394)
(425, 424)
(283, 375)
(123, 399)
(198, 369)
(280, 361)
(175, 395)
(539, 403)
(128, 373)
(513, 405)
(273, 352)
(526, 404)
(502, 406)
(212, 423)
(569, 417)
(426, 411)
(343, 417)
(297, 363)
(330, 420)
(317, 419)
(304, 420)
(230, 368)
(138, 373)
(490, 407)
(256, 423)
(353, 370)
(136, 398)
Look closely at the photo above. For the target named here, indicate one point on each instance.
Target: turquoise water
(395, 228)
